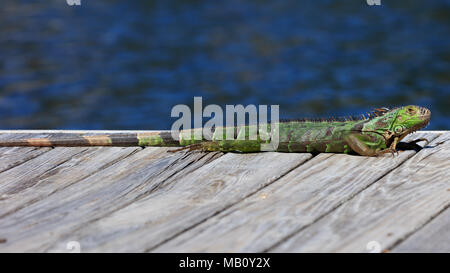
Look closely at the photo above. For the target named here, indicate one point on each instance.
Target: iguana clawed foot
(411, 144)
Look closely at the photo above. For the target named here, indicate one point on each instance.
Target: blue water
(124, 64)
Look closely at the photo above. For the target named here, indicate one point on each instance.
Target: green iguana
(371, 135)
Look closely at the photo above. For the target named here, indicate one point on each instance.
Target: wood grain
(295, 201)
(37, 226)
(433, 237)
(14, 156)
(386, 212)
(26, 174)
(76, 168)
(186, 202)
(131, 199)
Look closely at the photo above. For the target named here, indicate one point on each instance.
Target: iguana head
(401, 121)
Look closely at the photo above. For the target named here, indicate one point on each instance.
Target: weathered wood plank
(112, 209)
(387, 211)
(185, 203)
(11, 157)
(434, 237)
(37, 226)
(25, 175)
(297, 200)
(14, 156)
(75, 169)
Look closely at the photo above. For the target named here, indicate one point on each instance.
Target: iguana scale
(372, 135)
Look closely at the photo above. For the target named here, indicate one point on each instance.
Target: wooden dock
(116, 199)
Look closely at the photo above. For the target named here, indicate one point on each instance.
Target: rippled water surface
(125, 64)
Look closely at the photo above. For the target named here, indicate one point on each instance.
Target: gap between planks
(395, 208)
(90, 196)
(64, 175)
(434, 236)
(140, 238)
(225, 208)
(171, 212)
(12, 157)
(220, 229)
(238, 201)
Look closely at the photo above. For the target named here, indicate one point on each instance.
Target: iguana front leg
(393, 147)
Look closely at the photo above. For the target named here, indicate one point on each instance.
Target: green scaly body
(370, 136)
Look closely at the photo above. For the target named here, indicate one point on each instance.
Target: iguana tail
(161, 139)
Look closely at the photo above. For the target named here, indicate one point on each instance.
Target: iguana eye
(398, 129)
(410, 110)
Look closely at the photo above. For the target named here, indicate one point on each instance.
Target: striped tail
(160, 139)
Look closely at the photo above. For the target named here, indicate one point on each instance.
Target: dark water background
(124, 64)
